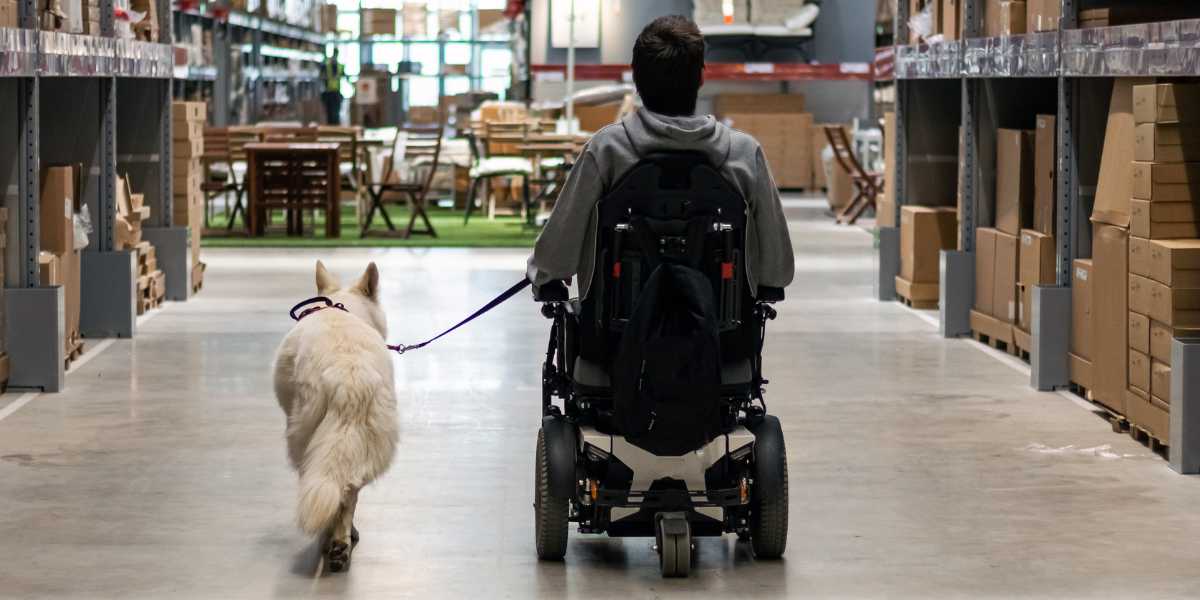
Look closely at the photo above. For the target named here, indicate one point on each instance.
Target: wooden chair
(349, 155)
(428, 149)
(495, 155)
(866, 183)
(215, 183)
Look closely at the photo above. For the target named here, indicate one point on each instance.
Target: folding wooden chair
(424, 144)
(866, 183)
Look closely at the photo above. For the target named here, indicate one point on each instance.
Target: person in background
(331, 97)
(668, 70)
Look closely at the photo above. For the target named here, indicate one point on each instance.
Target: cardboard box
(1007, 260)
(992, 327)
(1139, 332)
(188, 111)
(985, 270)
(729, 104)
(57, 209)
(1146, 175)
(1149, 415)
(1169, 192)
(1115, 185)
(951, 25)
(1044, 168)
(1150, 220)
(1174, 307)
(378, 21)
(49, 271)
(1014, 180)
(489, 17)
(1166, 143)
(916, 292)
(1139, 294)
(1160, 381)
(1005, 17)
(1110, 310)
(1042, 15)
(924, 233)
(1081, 308)
(785, 139)
(1174, 263)
(1080, 370)
(1037, 259)
(1166, 103)
(1139, 371)
(1139, 256)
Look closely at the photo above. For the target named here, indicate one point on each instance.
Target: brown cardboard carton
(1145, 175)
(1005, 17)
(1174, 263)
(1139, 371)
(1037, 258)
(1042, 15)
(1166, 212)
(950, 24)
(1166, 103)
(992, 327)
(1080, 371)
(1160, 381)
(1139, 294)
(1139, 332)
(1174, 306)
(1143, 224)
(1007, 260)
(756, 104)
(1139, 256)
(985, 270)
(1014, 180)
(1115, 185)
(1044, 216)
(924, 233)
(1081, 308)
(1166, 143)
(1160, 341)
(378, 21)
(1170, 192)
(1149, 415)
(57, 209)
(1110, 310)
(49, 271)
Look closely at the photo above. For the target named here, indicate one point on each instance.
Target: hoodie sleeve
(776, 264)
(558, 253)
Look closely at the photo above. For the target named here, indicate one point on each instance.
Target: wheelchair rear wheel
(550, 512)
(769, 503)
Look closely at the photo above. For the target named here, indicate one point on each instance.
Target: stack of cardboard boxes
(1001, 17)
(59, 257)
(1018, 254)
(9, 13)
(132, 212)
(416, 19)
(1163, 249)
(781, 126)
(378, 21)
(187, 133)
(327, 18)
(924, 232)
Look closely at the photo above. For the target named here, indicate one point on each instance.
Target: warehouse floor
(920, 467)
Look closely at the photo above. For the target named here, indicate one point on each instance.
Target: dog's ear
(327, 283)
(368, 285)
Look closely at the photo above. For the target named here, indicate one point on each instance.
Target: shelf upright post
(887, 263)
(1051, 327)
(956, 295)
(28, 184)
(222, 88)
(256, 84)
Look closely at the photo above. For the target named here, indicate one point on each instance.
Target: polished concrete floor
(920, 467)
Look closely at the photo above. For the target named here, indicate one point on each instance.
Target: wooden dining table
(294, 177)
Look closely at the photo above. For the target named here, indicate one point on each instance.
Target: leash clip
(399, 348)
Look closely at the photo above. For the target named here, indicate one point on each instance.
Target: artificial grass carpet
(503, 232)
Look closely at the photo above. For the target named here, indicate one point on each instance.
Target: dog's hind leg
(342, 538)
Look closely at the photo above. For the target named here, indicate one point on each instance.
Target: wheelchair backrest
(669, 208)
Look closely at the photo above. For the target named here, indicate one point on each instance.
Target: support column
(1051, 333)
(956, 293)
(36, 333)
(887, 263)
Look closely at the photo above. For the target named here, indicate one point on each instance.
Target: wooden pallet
(920, 296)
(994, 342)
(1019, 346)
(1082, 391)
(152, 290)
(1147, 439)
(918, 304)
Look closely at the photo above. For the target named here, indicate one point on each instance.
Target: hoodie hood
(651, 132)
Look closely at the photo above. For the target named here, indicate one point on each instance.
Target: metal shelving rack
(1075, 69)
(71, 95)
(259, 45)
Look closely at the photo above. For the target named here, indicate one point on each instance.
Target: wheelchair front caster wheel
(674, 545)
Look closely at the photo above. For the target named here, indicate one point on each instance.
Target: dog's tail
(353, 444)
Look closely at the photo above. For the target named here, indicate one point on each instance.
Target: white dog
(333, 379)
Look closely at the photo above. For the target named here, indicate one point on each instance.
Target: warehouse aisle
(919, 467)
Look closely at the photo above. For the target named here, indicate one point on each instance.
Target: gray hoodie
(567, 246)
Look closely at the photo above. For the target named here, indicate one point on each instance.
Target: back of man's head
(668, 65)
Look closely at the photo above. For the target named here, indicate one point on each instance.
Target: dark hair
(668, 65)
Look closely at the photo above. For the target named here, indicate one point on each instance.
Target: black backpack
(667, 373)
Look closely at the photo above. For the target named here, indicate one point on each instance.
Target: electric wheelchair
(698, 470)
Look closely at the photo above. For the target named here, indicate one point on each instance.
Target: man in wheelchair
(673, 227)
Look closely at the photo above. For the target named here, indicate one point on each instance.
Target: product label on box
(1081, 274)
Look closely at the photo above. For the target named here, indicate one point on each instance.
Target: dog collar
(320, 302)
